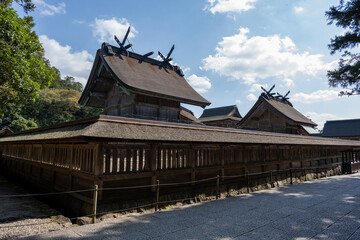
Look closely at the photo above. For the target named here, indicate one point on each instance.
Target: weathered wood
(134, 159)
(152, 160)
(99, 160)
(80, 166)
(95, 202)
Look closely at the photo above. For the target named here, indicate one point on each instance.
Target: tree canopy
(23, 71)
(52, 107)
(347, 75)
(32, 93)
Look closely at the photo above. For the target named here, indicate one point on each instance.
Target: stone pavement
(322, 209)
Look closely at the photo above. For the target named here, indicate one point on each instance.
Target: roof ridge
(113, 50)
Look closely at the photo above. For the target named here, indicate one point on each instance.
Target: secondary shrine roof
(220, 113)
(281, 109)
(342, 128)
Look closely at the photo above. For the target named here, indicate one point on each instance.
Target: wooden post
(153, 166)
(247, 181)
(98, 167)
(222, 155)
(217, 187)
(95, 198)
(271, 179)
(305, 174)
(157, 195)
(291, 176)
(71, 167)
(192, 158)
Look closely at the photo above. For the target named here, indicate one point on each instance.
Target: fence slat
(114, 160)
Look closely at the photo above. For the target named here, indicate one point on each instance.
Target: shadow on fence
(217, 182)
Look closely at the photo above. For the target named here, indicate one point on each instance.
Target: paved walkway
(322, 209)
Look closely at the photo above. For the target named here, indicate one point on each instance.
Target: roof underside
(141, 76)
(122, 129)
(342, 128)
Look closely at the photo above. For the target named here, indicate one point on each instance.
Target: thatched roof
(5, 131)
(342, 128)
(281, 109)
(188, 115)
(126, 129)
(220, 113)
(134, 73)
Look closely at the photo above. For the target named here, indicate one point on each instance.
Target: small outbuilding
(228, 116)
(345, 129)
(275, 114)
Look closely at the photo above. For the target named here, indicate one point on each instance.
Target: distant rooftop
(281, 108)
(342, 128)
(220, 113)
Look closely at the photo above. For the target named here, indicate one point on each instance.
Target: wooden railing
(142, 157)
(350, 161)
(77, 157)
(120, 164)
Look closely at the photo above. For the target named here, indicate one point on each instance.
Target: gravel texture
(25, 216)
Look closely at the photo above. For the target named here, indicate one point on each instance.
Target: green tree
(23, 71)
(52, 107)
(27, 5)
(67, 83)
(347, 75)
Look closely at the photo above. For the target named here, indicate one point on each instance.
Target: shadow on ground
(322, 209)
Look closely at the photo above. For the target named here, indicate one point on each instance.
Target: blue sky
(227, 48)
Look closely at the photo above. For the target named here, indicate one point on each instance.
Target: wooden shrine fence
(124, 164)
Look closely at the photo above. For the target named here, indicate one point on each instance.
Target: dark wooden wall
(122, 164)
(119, 103)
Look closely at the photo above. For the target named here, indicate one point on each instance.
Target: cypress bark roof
(342, 128)
(137, 74)
(5, 131)
(126, 129)
(281, 109)
(220, 113)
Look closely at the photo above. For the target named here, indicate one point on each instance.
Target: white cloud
(224, 6)
(238, 101)
(48, 9)
(75, 64)
(299, 10)
(318, 96)
(105, 29)
(288, 82)
(251, 97)
(257, 87)
(321, 118)
(250, 59)
(200, 84)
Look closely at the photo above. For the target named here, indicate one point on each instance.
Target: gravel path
(24, 216)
